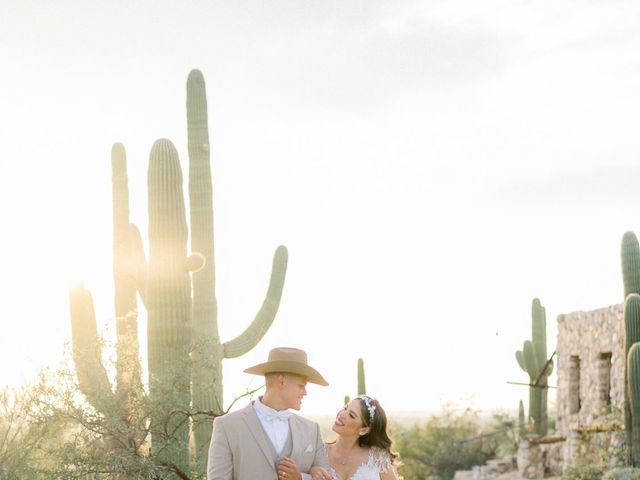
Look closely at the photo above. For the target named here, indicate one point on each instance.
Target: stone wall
(590, 369)
(493, 469)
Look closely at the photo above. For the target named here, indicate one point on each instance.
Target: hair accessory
(369, 404)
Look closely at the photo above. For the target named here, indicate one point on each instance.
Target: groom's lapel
(297, 437)
(251, 419)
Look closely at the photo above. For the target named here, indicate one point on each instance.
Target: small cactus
(533, 360)
(362, 387)
(522, 425)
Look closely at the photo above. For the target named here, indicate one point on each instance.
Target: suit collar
(297, 436)
(255, 428)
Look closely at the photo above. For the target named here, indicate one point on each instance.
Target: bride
(362, 450)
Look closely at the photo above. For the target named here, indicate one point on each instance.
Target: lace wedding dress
(376, 463)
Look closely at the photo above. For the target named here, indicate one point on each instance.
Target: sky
(431, 167)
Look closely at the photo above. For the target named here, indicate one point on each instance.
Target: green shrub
(581, 472)
(452, 441)
(622, 473)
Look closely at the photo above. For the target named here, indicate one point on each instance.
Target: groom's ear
(281, 379)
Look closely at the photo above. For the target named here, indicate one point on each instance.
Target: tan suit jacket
(241, 450)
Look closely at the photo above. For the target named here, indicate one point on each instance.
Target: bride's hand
(319, 473)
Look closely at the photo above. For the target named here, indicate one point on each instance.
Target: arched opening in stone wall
(574, 384)
(604, 381)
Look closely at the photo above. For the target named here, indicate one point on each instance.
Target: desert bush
(622, 473)
(453, 441)
(49, 431)
(598, 453)
(581, 471)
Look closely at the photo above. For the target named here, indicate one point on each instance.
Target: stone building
(590, 362)
(590, 396)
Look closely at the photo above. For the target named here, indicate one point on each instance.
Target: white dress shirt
(274, 422)
(276, 425)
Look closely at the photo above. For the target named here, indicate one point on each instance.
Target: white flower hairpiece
(369, 404)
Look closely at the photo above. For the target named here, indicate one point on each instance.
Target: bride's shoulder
(381, 458)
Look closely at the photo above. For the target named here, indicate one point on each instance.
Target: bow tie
(282, 415)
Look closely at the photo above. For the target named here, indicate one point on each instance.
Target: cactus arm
(530, 359)
(539, 333)
(129, 262)
(630, 253)
(194, 263)
(92, 376)
(264, 318)
(520, 360)
(139, 264)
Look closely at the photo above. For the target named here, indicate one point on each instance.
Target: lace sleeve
(382, 460)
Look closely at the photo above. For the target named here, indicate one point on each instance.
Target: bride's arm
(388, 475)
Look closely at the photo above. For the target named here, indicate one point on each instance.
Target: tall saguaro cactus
(184, 349)
(631, 337)
(630, 256)
(208, 350)
(533, 360)
(168, 305)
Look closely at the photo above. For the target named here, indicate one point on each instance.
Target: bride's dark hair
(373, 416)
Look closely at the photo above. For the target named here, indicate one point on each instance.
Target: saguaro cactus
(630, 256)
(631, 337)
(362, 387)
(184, 348)
(533, 360)
(129, 271)
(522, 426)
(168, 306)
(208, 349)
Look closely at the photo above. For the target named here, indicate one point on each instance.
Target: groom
(264, 440)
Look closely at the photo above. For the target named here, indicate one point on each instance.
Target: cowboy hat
(288, 360)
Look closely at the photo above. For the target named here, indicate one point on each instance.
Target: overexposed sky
(431, 166)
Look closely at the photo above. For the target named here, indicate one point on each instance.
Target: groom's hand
(288, 470)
